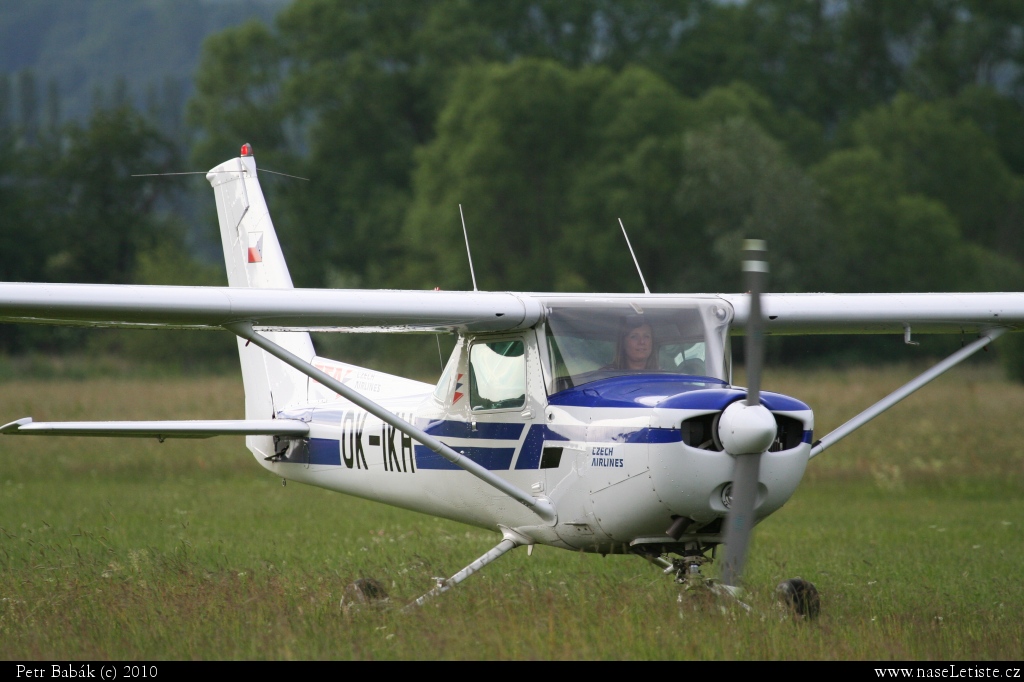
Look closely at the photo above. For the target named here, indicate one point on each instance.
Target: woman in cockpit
(635, 349)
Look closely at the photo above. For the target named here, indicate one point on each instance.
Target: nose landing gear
(797, 596)
(687, 567)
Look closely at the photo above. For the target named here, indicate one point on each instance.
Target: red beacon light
(246, 149)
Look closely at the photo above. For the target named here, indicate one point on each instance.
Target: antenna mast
(642, 281)
(469, 255)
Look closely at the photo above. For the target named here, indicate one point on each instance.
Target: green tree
(71, 211)
(629, 170)
(107, 216)
(238, 93)
(691, 179)
(961, 43)
(506, 144)
(20, 239)
(346, 93)
(801, 136)
(949, 159)
(739, 183)
(547, 158)
(890, 238)
(1000, 117)
(354, 88)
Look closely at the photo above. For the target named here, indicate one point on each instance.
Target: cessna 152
(592, 422)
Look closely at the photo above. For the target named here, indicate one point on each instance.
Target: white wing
(883, 313)
(467, 311)
(308, 309)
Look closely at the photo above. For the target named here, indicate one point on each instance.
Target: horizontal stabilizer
(200, 428)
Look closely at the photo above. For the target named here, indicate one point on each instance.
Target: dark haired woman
(635, 349)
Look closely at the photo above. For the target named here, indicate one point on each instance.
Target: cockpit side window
(497, 375)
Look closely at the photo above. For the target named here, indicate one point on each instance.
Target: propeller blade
(747, 433)
(740, 521)
(755, 278)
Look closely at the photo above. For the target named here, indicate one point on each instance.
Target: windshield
(597, 339)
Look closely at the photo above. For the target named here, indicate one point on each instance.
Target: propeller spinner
(747, 429)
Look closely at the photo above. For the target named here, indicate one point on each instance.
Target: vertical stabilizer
(254, 259)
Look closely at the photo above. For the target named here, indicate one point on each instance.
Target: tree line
(80, 201)
(874, 144)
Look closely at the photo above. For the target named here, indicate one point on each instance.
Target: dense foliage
(871, 143)
(73, 212)
(874, 144)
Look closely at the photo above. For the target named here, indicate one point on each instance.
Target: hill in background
(86, 47)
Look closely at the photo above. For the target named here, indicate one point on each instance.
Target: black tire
(800, 597)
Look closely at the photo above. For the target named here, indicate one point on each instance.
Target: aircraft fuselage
(620, 459)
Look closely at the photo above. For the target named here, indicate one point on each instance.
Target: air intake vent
(702, 432)
(789, 435)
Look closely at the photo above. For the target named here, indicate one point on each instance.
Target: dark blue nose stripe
(665, 391)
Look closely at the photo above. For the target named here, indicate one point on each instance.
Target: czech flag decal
(458, 385)
(255, 247)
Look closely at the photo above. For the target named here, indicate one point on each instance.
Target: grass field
(912, 529)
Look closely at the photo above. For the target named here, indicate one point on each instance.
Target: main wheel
(799, 596)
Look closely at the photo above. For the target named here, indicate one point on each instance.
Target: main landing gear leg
(445, 585)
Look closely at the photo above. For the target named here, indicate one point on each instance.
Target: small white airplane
(592, 422)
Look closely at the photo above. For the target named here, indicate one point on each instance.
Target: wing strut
(905, 390)
(444, 585)
(540, 507)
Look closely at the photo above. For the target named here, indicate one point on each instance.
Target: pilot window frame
(501, 405)
(692, 346)
(443, 389)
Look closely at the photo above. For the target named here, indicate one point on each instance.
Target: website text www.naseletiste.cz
(949, 671)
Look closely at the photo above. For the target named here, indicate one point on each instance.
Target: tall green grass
(911, 529)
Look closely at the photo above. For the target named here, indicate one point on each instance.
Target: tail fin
(254, 259)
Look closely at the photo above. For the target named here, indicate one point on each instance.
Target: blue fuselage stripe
(489, 458)
(324, 451)
(484, 430)
(529, 456)
(327, 451)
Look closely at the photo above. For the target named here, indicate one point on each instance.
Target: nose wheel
(797, 596)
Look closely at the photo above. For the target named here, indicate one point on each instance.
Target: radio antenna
(642, 281)
(262, 170)
(469, 255)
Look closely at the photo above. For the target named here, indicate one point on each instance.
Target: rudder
(253, 257)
